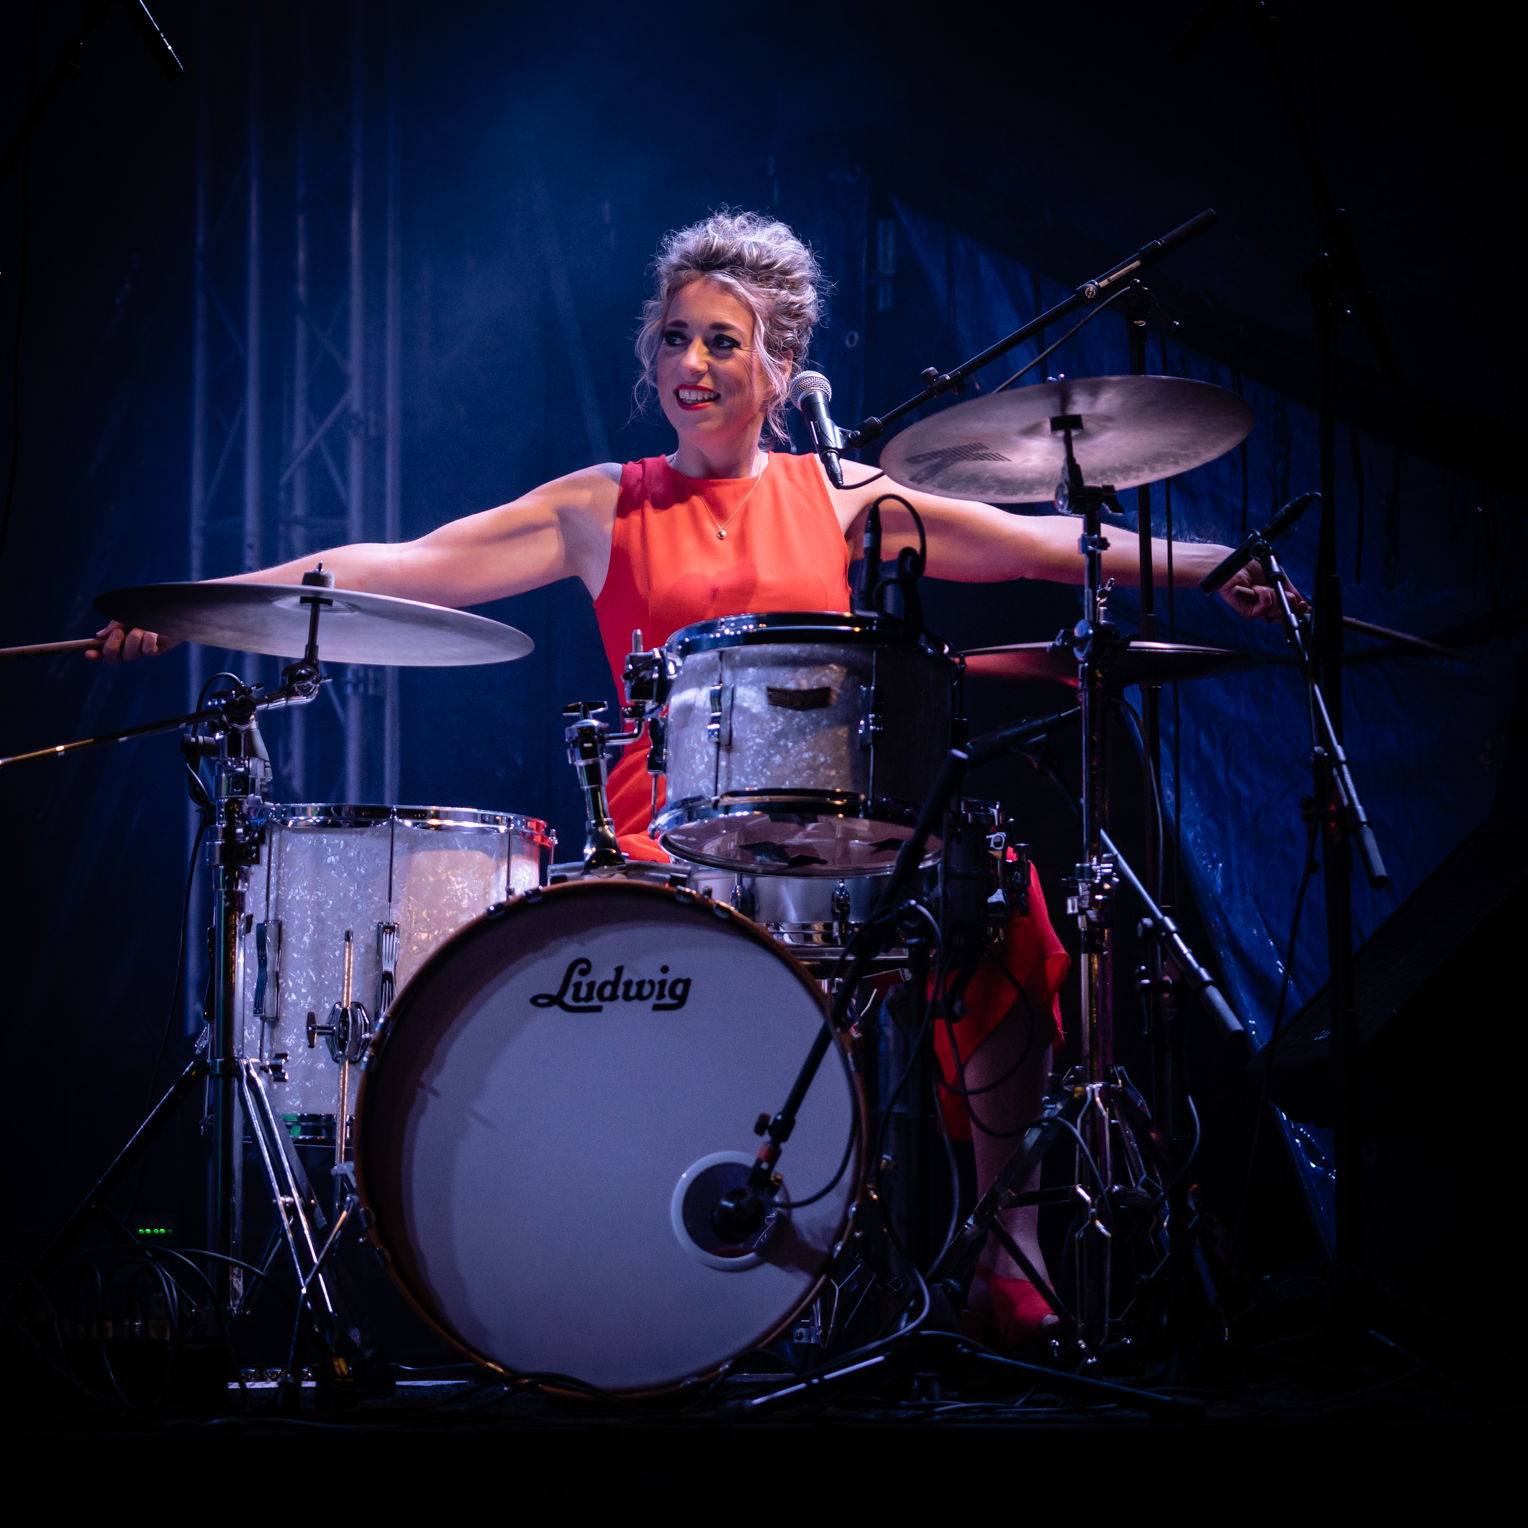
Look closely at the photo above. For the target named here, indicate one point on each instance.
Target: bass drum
(561, 1097)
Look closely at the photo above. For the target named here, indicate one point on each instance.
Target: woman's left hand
(1250, 593)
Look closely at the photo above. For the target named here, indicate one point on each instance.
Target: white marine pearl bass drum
(559, 1100)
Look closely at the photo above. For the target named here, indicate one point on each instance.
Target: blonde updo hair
(767, 268)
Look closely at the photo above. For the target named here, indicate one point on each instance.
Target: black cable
(843, 1166)
(1270, 1050)
(1159, 817)
(1049, 350)
(180, 963)
(1190, 1157)
(922, 560)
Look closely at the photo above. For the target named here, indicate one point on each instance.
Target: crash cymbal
(353, 628)
(1138, 663)
(1134, 430)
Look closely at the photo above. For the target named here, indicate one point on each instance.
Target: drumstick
(1405, 639)
(46, 649)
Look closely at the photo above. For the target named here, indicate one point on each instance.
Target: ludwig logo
(579, 993)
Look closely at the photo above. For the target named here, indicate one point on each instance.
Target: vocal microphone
(811, 392)
(1242, 554)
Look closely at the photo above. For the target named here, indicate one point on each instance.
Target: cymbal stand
(226, 730)
(1094, 641)
(1110, 1114)
(241, 777)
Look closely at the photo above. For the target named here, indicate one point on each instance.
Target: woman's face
(710, 380)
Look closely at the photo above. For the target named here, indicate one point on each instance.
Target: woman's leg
(1007, 1076)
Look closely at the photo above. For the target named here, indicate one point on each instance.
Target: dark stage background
(958, 172)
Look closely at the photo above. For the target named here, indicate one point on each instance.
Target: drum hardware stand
(241, 776)
(645, 680)
(227, 731)
(588, 738)
(1109, 1114)
(743, 1209)
(1336, 805)
(238, 1092)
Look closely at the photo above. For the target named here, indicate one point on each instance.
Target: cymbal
(353, 628)
(1138, 663)
(1134, 430)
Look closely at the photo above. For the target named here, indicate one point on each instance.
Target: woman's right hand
(119, 644)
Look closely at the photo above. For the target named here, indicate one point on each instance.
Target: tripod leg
(137, 1143)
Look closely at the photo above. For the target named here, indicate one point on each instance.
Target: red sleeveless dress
(669, 569)
(783, 550)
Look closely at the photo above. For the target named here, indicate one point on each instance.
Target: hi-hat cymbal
(1137, 663)
(1134, 430)
(353, 627)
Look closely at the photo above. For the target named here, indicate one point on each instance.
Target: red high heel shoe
(1019, 1311)
(1019, 1314)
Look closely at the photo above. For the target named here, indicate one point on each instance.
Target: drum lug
(719, 722)
(387, 963)
(744, 898)
(268, 971)
(872, 725)
(276, 1066)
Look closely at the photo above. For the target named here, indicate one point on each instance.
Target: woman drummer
(723, 526)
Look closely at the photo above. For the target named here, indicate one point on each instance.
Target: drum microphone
(1247, 550)
(811, 392)
(869, 602)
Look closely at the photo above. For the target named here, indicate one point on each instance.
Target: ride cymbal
(1134, 430)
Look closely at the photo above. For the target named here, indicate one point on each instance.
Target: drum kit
(538, 1083)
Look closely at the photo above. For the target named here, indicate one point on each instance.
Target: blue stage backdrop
(957, 175)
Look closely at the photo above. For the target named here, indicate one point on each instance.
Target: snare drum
(342, 910)
(557, 1103)
(802, 744)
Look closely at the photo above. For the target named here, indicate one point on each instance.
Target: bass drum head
(559, 1099)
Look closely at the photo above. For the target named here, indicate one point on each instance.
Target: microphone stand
(937, 382)
(1336, 805)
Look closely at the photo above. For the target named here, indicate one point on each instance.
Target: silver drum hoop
(802, 743)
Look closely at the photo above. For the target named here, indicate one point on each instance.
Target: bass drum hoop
(407, 1031)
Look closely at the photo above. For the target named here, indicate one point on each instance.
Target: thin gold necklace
(721, 525)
